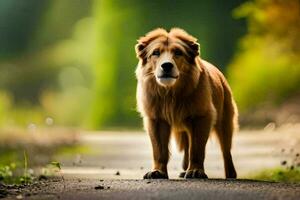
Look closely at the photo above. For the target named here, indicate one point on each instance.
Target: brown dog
(180, 93)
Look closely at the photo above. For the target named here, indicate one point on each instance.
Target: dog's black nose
(167, 67)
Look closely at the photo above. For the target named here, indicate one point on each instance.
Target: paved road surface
(165, 189)
(93, 174)
(130, 154)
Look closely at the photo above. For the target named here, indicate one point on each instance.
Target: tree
(267, 66)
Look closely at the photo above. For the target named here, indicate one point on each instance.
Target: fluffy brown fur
(196, 101)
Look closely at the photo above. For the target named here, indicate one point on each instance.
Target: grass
(288, 172)
(27, 176)
(41, 146)
(23, 154)
(279, 174)
(9, 173)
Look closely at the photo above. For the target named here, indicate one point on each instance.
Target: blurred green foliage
(266, 68)
(113, 88)
(43, 76)
(18, 20)
(74, 60)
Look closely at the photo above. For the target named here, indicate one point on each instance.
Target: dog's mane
(149, 37)
(182, 35)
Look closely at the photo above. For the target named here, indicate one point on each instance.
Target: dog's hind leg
(224, 130)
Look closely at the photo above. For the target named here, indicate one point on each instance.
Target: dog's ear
(140, 49)
(141, 46)
(193, 47)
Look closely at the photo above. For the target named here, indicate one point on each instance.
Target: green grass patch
(278, 175)
(10, 174)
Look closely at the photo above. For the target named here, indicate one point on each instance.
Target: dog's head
(167, 56)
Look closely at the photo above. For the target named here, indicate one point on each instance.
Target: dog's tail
(230, 114)
(181, 139)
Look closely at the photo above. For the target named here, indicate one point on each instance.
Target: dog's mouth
(165, 76)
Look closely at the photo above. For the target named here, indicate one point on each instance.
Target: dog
(180, 94)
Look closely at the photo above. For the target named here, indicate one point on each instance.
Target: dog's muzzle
(167, 68)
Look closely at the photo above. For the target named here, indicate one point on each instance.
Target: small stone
(42, 177)
(99, 187)
(3, 193)
(283, 162)
(117, 173)
(19, 196)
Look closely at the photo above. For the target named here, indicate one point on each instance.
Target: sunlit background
(68, 65)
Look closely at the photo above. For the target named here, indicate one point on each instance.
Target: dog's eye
(177, 52)
(156, 53)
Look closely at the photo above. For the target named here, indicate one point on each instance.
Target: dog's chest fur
(171, 105)
(172, 108)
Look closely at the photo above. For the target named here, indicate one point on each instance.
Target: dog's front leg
(159, 132)
(198, 131)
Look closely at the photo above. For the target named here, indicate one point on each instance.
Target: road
(113, 163)
(130, 154)
(213, 189)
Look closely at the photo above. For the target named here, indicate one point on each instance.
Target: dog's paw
(195, 173)
(182, 174)
(231, 174)
(156, 175)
